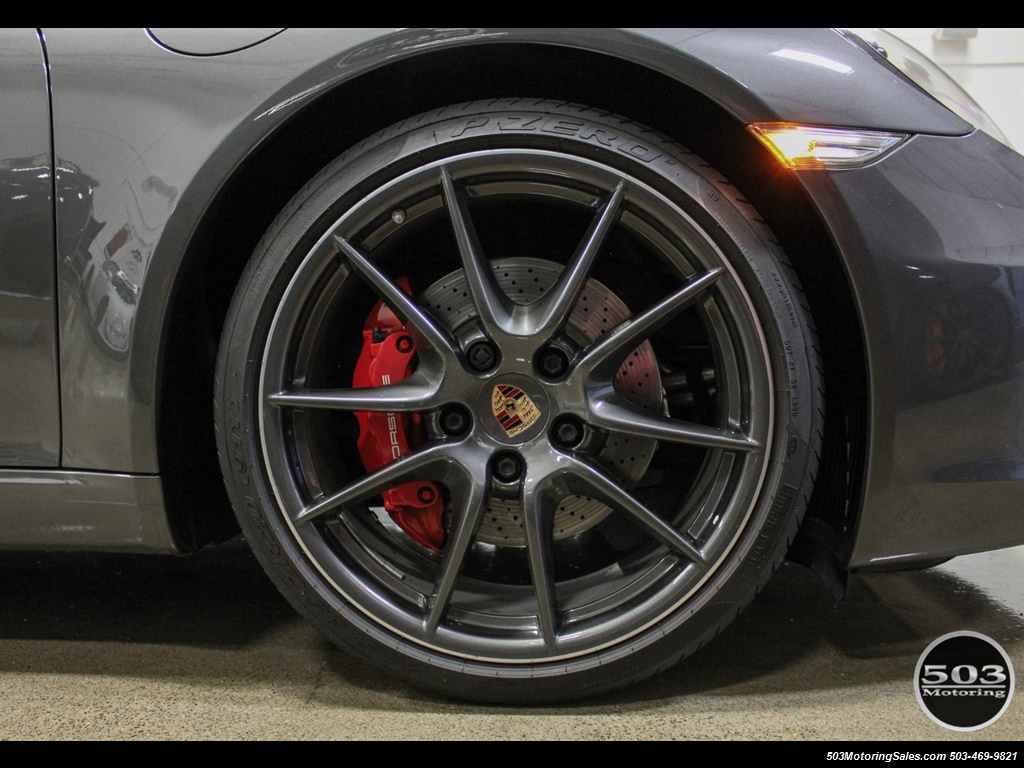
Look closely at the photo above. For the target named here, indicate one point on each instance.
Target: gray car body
(156, 159)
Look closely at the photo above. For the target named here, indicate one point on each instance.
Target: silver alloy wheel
(680, 530)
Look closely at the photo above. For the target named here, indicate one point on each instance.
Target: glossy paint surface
(799, 75)
(155, 133)
(210, 42)
(30, 412)
(130, 128)
(152, 129)
(83, 510)
(933, 238)
(145, 139)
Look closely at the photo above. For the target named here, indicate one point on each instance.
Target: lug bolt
(567, 432)
(553, 363)
(507, 467)
(454, 421)
(482, 356)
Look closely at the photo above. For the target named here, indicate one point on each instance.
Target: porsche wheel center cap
(513, 410)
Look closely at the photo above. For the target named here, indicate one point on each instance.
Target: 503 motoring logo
(964, 681)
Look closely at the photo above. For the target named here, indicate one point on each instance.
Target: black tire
(669, 462)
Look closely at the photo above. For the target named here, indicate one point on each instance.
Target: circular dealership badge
(964, 681)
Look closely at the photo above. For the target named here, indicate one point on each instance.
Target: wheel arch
(232, 223)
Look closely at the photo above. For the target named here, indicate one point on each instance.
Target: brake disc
(597, 311)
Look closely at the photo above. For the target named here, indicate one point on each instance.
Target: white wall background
(989, 65)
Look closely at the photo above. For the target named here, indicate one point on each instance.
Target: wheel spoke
(426, 464)
(598, 484)
(538, 520)
(413, 394)
(494, 308)
(610, 411)
(467, 508)
(398, 300)
(601, 360)
(555, 307)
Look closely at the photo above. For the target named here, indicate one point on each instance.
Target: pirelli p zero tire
(601, 383)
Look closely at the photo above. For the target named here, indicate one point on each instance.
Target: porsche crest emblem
(513, 409)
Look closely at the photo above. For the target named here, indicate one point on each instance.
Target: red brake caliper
(386, 358)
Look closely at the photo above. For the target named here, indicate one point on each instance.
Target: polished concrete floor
(126, 647)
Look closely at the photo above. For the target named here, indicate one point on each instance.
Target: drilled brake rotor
(597, 311)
